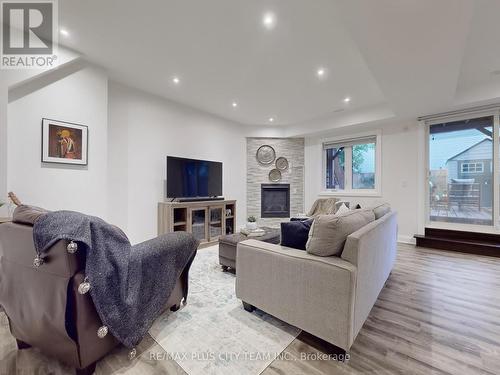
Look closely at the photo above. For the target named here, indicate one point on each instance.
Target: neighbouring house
(474, 166)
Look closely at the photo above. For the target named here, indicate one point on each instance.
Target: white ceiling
(407, 57)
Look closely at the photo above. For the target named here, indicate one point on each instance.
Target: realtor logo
(29, 34)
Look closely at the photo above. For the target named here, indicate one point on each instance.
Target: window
(472, 167)
(363, 166)
(335, 172)
(351, 165)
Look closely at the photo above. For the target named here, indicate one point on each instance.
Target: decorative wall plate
(282, 163)
(275, 175)
(265, 155)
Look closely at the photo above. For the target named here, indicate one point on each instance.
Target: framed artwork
(64, 142)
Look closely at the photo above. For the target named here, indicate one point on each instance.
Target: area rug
(213, 334)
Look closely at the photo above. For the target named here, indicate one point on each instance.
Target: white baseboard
(406, 239)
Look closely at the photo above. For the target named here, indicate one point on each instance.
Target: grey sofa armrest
(373, 250)
(313, 293)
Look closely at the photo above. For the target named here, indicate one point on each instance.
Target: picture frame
(64, 142)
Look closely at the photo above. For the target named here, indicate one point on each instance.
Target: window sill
(351, 193)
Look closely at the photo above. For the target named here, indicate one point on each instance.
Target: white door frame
(425, 172)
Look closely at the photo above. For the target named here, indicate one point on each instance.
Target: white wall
(400, 166)
(12, 79)
(131, 132)
(80, 97)
(3, 145)
(143, 130)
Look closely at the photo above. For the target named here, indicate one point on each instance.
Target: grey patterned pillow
(329, 232)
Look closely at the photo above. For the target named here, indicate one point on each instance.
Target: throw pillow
(329, 232)
(337, 206)
(295, 233)
(299, 218)
(25, 214)
(381, 210)
(342, 210)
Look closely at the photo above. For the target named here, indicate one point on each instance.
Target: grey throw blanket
(130, 285)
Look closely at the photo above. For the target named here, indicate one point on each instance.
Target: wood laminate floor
(439, 313)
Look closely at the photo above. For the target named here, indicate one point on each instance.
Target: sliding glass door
(461, 172)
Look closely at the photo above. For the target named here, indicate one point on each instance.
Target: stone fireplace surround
(257, 174)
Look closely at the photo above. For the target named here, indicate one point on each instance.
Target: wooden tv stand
(206, 220)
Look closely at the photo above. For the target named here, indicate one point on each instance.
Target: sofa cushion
(329, 232)
(342, 210)
(25, 214)
(381, 210)
(295, 233)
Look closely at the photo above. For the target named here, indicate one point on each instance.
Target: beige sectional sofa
(329, 297)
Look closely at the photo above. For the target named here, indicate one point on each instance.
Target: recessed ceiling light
(347, 99)
(269, 20)
(271, 119)
(321, 72)
(64, 32)
(234, 104)
(176, 80)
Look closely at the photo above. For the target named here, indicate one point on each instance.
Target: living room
(281, 148)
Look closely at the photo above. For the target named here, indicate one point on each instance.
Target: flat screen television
(190, 178)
